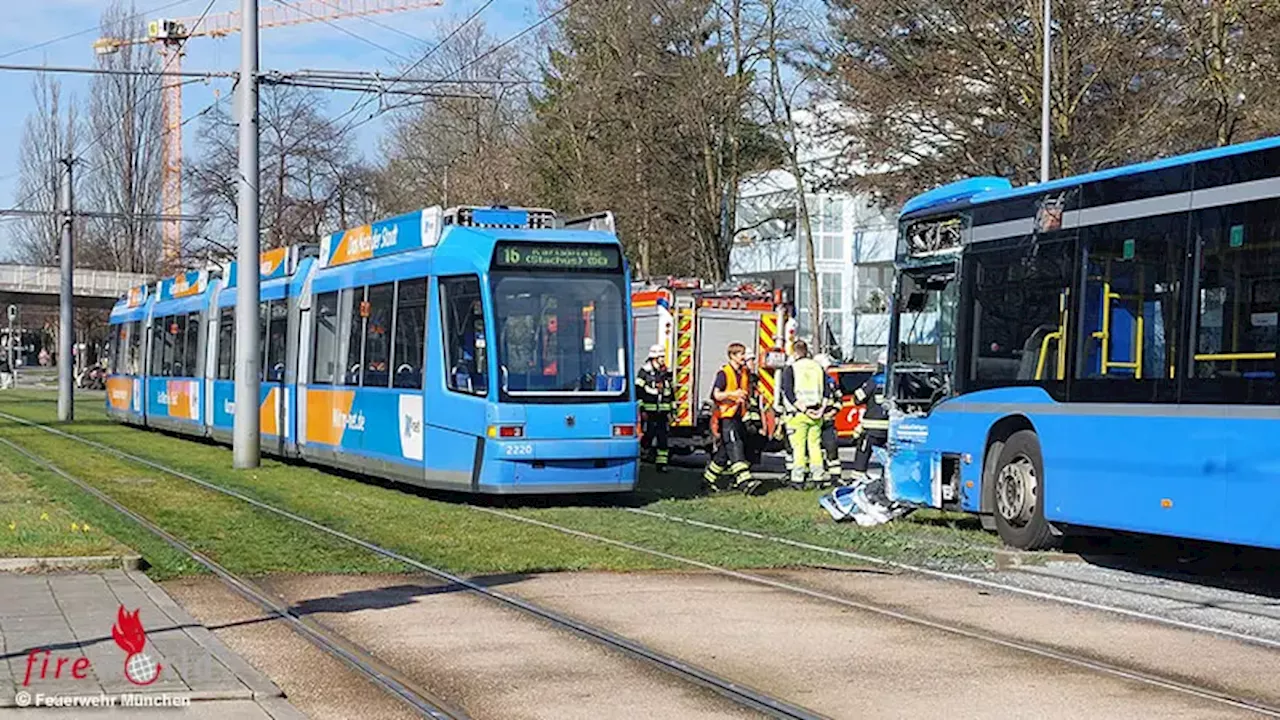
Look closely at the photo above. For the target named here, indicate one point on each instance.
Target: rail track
(747, 696)
(386, 677)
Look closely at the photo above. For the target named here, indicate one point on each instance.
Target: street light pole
(245, 439)
(1044, 96)
(66, 406)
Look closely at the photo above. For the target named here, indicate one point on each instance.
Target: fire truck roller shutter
(716, 329)
(645, 325)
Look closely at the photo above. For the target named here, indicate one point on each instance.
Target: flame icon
(129, 635)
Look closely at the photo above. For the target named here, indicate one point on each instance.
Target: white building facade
(853, 241)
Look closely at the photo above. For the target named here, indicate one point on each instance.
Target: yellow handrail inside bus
(1055, 336)
(1044, 351)
(1209, 357)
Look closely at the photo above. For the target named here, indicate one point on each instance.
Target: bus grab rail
(1210, 357)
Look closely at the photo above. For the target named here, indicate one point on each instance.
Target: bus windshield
(924, 342)
(560, 335)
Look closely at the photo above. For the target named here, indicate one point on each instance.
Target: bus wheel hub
(1016, 487)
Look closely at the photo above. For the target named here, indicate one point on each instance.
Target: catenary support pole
(245, 438)
(66, 314)
(1044, 95)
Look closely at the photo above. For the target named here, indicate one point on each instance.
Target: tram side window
(175, 331)
(115, 349)
(194, 366)
(377, 335)
(411, 333)
(324, 350)
(1019, 292)
(1133, 278)
(465, 335)
(277, 340)
(159, 330)
(133, 356)
(264, 316)
(226, 343)
(354, 311)
(1236, 307)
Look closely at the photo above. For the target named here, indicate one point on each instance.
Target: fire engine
(694, 322)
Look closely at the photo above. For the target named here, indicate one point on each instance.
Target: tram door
(273, 326)
(458, 416)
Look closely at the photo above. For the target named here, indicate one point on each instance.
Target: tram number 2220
(517, 449)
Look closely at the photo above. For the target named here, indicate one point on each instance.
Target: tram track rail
(730, 689)
(736, 692)
(984, 583)
(389, 680)
(1031, 648)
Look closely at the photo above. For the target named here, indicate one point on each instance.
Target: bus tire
(1019, 494)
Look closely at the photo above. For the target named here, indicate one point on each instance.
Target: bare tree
(465, 148)
(310, 183)
(785, 45)
(125, 119)
(938, 89)
(48, 135)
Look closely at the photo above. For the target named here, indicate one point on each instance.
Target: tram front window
(560, 335)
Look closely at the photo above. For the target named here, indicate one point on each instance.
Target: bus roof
(982, 190)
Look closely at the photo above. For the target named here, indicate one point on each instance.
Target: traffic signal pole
(245, 438)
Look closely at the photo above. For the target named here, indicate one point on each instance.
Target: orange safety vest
(733, 380)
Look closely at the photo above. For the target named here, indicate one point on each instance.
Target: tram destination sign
(537, 256)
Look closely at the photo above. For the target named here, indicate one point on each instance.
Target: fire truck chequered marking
(684, 368)
(768, 336)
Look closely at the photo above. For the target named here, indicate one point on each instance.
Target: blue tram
(476, 349)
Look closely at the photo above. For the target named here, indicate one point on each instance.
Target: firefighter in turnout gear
(753, 418)
(873, 429)
(830, 443)
(730, 393)
(654, 388)
(804, 390)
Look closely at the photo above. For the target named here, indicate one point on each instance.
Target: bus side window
(464, 335)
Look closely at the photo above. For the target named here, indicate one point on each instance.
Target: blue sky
(312, 46)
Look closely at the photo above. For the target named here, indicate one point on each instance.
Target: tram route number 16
(511, 256)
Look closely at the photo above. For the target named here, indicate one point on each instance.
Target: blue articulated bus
(1097, 351)
(476, 349)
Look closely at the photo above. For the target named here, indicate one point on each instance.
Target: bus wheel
(1019, 494)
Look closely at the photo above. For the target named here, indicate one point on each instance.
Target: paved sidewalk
(56, 640)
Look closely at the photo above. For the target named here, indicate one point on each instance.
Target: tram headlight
(624, 430)
(506, 431)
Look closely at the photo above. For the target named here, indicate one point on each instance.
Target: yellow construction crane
(170, 36)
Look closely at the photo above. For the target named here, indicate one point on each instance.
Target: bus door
(1134, 475)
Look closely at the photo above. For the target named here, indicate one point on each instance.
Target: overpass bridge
(40, 285)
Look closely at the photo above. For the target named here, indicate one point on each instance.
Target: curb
(56, 564)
